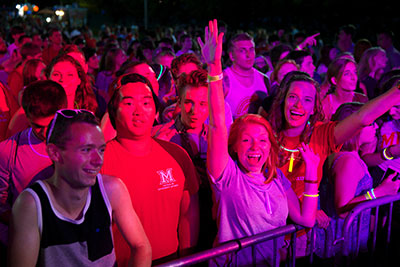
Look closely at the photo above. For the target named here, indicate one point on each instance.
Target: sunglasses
(130, 78)
(67, 114)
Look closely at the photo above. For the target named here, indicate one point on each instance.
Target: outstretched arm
(217, 153)
(128, 222)
(370, 111)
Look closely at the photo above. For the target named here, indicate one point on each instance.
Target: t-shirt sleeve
(185, 162)
(324, 139)
(229, 172)
(191, 176)
(284, 181)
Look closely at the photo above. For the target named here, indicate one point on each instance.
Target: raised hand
(310, 158)
(211, 49)
(310, 40)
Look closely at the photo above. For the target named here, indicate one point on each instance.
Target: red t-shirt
(322, 143)
(155, 183)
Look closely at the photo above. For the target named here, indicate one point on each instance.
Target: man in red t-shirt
(159, 175)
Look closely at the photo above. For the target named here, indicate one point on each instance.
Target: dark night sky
(311, 15)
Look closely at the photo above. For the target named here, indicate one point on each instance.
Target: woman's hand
(211, 49)
(310, 158)
(388, 186)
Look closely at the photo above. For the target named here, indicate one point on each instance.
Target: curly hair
(84, 95)
(234, 135)
(277, 115)
(197, 78)
(182, 60)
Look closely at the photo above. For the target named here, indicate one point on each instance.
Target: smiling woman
(251, 194)
(65, 70)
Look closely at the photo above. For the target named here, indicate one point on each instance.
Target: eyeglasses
(68, 114)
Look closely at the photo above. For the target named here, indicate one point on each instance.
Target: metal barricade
(236, 245)
(356, 213)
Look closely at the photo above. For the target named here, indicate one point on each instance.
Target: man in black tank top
(66, 220)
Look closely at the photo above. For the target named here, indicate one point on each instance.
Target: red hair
(234, 134)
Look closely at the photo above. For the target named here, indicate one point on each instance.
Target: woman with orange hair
(251, 193)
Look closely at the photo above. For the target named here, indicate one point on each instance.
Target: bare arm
(304, 213)
(373, 109)
(188, 222)
(217, 153)
(345, 188)
(374, 159)
(24, 242)
(128, 222)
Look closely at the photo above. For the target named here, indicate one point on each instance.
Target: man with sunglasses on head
(66, 220)
(23, 157)
(159, 175)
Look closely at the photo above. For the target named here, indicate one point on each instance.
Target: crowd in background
(352, 79)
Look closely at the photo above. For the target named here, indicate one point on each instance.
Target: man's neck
(196, 131)
(243, 72)
(69, 201)
(140, 146)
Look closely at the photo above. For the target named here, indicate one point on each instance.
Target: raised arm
(369, 112)
(304, 213)
(24, 236)
(128, 222)
(217, 153)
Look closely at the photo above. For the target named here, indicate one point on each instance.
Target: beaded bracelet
(385, 156)
(215, 78)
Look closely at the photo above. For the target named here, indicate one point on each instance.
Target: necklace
(290, 169)
(30, 145)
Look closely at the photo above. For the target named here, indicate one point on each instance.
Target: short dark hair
(22, 37)
(239, 37)
(53, 30)
(60, 125)
(16, 29)
(43, 98)
(162, 51)
(122, 80)
(298, 56)
(30, 49)
(196, 78)
(348, 29)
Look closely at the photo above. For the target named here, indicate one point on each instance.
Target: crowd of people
(137, 149)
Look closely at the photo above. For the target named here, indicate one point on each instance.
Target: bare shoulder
(112, 183)
(25, 206)
(114, 187)
(347, 162)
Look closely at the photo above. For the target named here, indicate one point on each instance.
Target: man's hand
(211, 49)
